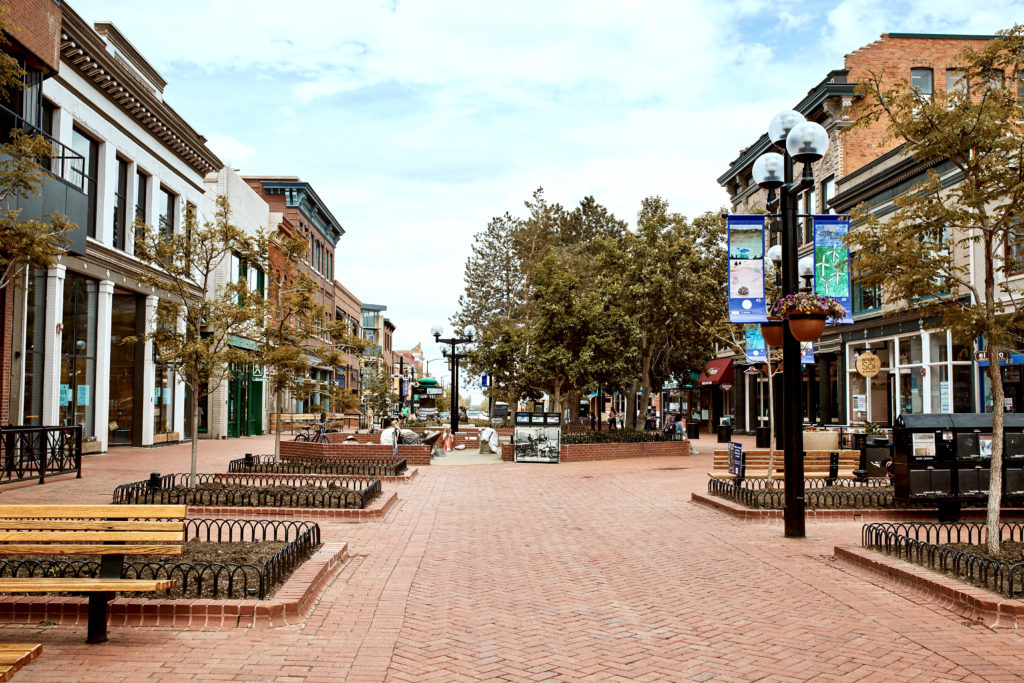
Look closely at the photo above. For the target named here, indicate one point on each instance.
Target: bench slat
(98, 511)
(88, 525)
(91, 536)
(14, 656)
(51, 585)
(88, 549)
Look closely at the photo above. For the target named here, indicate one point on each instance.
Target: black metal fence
(205, 579)
(904, 540)
(763, 494)
(252, 490)
(38, 452)
(374, 465)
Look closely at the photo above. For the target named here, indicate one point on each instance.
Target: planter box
(91, 447)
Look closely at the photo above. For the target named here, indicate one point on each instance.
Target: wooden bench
(290, 421)
(107, 531)
(13, 656)
(816, 464)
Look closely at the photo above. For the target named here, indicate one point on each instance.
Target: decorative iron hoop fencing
(846, 493)
(205, 579)
(380, 466)
(252, 490)
(904, 540)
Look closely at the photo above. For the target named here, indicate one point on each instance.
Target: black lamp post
(454, 356)
(804, 142)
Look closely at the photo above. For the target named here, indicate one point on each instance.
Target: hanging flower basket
(772, 331)
(807, 313)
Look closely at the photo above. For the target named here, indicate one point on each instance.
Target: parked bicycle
(313, 433)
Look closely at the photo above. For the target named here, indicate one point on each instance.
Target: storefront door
(245, 403)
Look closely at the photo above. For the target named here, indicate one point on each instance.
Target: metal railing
(381, 466)
(903, 539)
(38, 452)
(63, 163)
(819, 493)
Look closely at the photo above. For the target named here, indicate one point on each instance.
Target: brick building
(854, 160)
(348, 308)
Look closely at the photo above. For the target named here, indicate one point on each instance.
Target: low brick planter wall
(414, 455)
(585, 452)
(290, 605)
(468, 438)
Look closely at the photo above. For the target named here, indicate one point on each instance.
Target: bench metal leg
(97, 618)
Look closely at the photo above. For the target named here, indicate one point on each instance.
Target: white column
(148, 373)
(180, 406)
(101, 412)
(131, 192)
(51, 344)
(926, 379)
(106, 184)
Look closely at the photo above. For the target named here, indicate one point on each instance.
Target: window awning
(718, 371)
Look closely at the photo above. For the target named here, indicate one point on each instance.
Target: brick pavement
(597, 571)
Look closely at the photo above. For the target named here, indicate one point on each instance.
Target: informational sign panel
(746, 269)
(538, 437)
(923, 445)
(832, 260)
(737, 465)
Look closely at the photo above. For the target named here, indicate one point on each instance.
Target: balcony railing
(63, 163)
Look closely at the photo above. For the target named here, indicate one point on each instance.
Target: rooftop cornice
(300, 194)
(84, 50)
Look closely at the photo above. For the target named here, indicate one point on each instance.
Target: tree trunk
(277, 427)
(629, 421)
(645, 398)
(995, 486)
(194, 408)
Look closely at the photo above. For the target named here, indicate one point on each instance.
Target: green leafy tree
(919, 254)
(298, 332)
(33, 242)
(196, 316)
(379, 395)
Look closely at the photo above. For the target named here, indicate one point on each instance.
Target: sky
(418, 121)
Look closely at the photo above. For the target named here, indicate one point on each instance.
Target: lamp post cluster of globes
(804, 142)
(454, 357)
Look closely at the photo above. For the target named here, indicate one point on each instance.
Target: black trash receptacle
(724, 433)
(692, 430)
(763, 437)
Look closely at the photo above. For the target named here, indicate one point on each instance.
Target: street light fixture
(454, 355)
(805, 142)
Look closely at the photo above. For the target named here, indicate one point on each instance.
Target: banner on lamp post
(746, 269)
(832, 261)
(753, 346)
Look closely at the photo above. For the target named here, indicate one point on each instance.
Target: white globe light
(807, 142)
(436, 330)
(774, 253)
(768, 171)
(806, 266)
(470, 331)
(781, 124)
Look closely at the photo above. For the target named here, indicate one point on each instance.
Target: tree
(918, 255)
(195, 316)
(379, 394)
(34, 242)
(298, 332)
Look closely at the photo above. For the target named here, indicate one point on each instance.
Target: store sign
(868, 364)
(726, 387)
(746, 269)
(982, 356)
(434, 391)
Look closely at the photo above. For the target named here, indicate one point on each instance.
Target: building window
(828, 193)
(83, 173)
(121, 204)
(956, 81)
(1013, 252)
(166, 212)
(921, 81)
(35, 318)
(866, 298)
(163, 394)
(141, 188)
(994, 79)
(78, 353)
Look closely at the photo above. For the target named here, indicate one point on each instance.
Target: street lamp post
(454, 356)
(804, 142)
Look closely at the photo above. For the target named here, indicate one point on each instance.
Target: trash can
(692, 430)
(763, 437)
(724, 433)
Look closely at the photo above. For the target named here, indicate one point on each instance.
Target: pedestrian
(389, 436)
(611, 418)
(447, 442)
(670, 424)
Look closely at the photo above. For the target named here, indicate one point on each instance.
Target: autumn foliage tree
(948, 250)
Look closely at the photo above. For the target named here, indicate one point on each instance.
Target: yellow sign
(868, 364)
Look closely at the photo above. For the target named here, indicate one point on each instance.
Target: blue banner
(806, 353)
(754, 346)
(746, 269)
(832, 261)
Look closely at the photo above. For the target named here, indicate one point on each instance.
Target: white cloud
(231, 151)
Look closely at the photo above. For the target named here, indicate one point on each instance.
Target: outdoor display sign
(746, 269)
(832, 261)
(754, 347)
(538, 437)
(737, 465)
(923, 445)
(868, 365)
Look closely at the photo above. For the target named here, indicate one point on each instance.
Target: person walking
(612, 421)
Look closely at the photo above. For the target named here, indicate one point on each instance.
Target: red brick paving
(597, 571)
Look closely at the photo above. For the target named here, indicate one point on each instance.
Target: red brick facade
(35, 25)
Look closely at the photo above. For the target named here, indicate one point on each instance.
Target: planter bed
(222, 558)
(413, 454)
(253, 490)
(844, 494)
(956, 550)
(372, 465)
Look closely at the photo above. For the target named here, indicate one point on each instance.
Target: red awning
(718, 371)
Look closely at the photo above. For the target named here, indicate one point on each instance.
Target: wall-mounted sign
(434, 391)
(982, 356)
(868, 364)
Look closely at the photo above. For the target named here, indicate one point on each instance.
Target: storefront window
(78, 353)
(910, 350)
(35, 317)
(122, 369)
(163, 395)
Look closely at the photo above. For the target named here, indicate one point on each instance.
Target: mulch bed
(250, 556)
(1010, 552)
